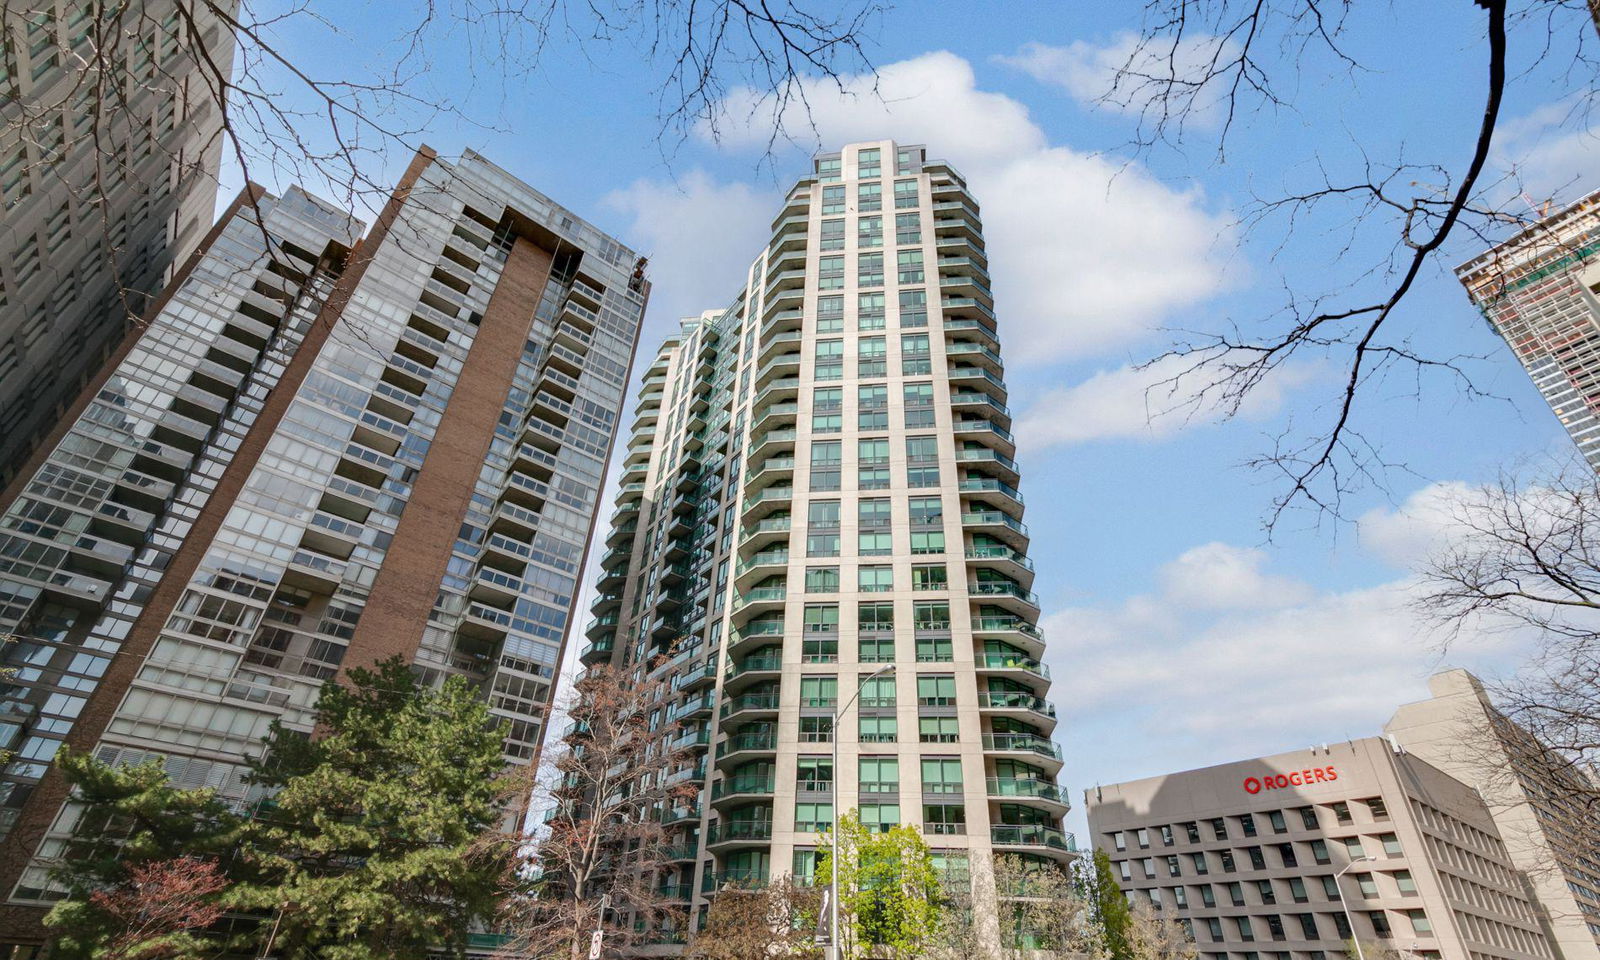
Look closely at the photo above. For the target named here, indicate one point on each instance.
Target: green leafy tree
(1111, 911)
(373, 843)
(889, 890)
(138, 838)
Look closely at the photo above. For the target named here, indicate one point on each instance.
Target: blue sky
(1179, 634)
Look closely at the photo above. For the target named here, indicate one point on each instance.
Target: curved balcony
(1002, 559)
(750, 706)
(1034, 838)
(787, 320)
(1005, 595)
(1014, 630)
(760, 566)
(987, 433)
(597, 652)
(1001, 526)
(774, 416)
(742, 788)
(1034, 793)
(1015, 703)
(783, 388)
(965, 285)
(697, 677)
(743, 747)
(990, 462)
(768, 472)
(754, 536)
(752, 635)
(965, 378)
(736, 833)
(1033, 749)
(771, 443)
(750, 671)
(770, 345)
(784, 300)
(699, 707)
(1016, 666)
(759, 600)
(988, 492)
(784, 365)
(766, 500)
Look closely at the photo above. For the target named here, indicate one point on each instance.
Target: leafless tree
(1523, 556)
(1152, 936)
(602, 861)
(777, 919)
(1204, 69)
(1038, 906)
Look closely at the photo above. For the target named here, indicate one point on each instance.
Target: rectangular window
(872, 453)
(878, 692)
(826, 453)
(822, 618)
(874, 513)
(880, 817)
(869, 311)
(926, 511)
(833, 199)
(932, 615)
(930, 576)
(944, 819)
(816, 729)
(830, 360)
(873, 478)
(822, 580)
(905, 194)
(880, 774)
(875, 579)
(909, 265)
(830, 273)
(869, 232)
(935, 650)
(869, 270)
(1391, 845)
(941, 775)
(869, 197)
(874, 543)
(876, 729)
(875, 617)
(832, 235)
(822, 544)
(913, 308)
(938, 729)
(819, 691)
(907, 228)
(868, 163)
(927, 541)
(829, 168)
(872, 360)
(830, 314)
(877, 650)
(813, 817)
(936, 691)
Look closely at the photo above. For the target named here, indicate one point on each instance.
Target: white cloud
(1120, 74)
(1553, 151)
(700, 236)
(1087, 253)
(1150, 403)
(1224, 660)
(1220, 576)
(1405, 535)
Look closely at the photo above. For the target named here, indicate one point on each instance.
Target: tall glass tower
(319, 454)
(819, 497)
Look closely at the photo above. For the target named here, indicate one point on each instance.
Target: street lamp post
(1348, 921)
(833, 880)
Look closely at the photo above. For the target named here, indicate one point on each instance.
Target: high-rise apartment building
(1290, 857)
(819, 499)
(312, 458)
(110, 139)
(1543, 805)
(1538, 290)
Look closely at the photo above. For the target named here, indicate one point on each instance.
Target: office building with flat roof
(1290, 857)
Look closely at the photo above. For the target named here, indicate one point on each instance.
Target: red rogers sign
(1298, 778)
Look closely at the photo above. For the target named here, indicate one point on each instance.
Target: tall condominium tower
(110, 138)
(819, 498)
(312, 458)
(1538, 290)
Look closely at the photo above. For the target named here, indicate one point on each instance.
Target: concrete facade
(110, 140)
(1253, 857)
(820, 485)
(312, 458)
(1543, 808)
(1538, 290)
